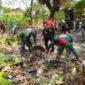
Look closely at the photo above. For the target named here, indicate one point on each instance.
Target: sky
(15, 3)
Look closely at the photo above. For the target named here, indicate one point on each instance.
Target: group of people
(79, 25)
(60, 39)
(4, 27)
(55, 35)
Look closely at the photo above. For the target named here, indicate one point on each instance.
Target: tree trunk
(0, 5)
(52, 13)
(53, 8)
(31, 13)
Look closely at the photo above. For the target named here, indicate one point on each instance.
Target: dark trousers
(64, 30)
(69, 48)
(46, 40)
(34, 37)
(25, 43)
(3, 29)
(14, 32)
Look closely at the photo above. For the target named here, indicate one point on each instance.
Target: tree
(25, 2)
(0, 5)
(53, 6)
(31, 11)
(79, 7)
(39, 13)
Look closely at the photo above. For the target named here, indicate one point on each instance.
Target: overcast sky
(17, 3)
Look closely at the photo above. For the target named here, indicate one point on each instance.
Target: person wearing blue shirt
(11, 23)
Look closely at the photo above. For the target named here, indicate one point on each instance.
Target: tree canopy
(53, 6)
(80, 4)
(79, 7)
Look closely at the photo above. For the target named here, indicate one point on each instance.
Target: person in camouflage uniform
(64, 42)
(27, 38)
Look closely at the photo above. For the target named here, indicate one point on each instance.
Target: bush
(10, 41)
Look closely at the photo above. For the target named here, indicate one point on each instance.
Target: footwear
(73, 59)
(58, 59)
(52, 50)
(79, 59)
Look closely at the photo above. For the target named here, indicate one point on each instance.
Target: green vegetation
(10, 50)
(60, 15)
(79, 8)
(38, 14)
(80, 5)
(6, 59)
(4, 81)
(10, 41)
